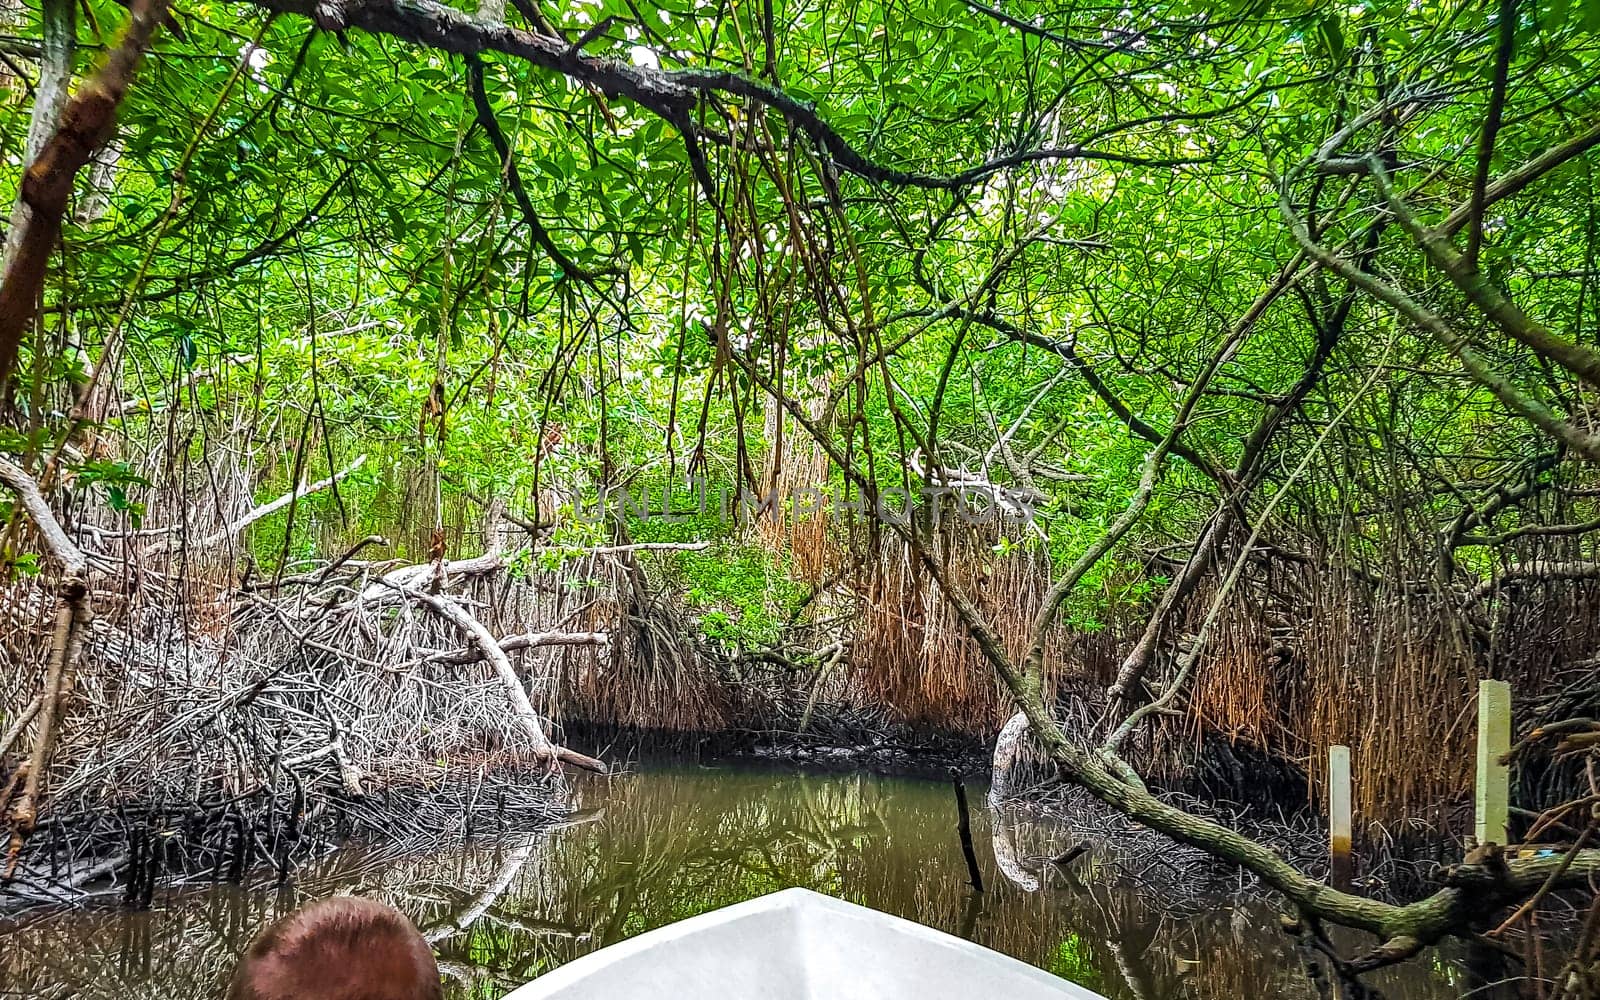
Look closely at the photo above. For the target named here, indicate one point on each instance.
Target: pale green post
(1494, 777)
(1339, 816)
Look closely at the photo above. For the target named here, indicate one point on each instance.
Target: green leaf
(187, 352)
(1332, 35)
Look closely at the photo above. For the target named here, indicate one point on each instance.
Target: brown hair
(344, 948)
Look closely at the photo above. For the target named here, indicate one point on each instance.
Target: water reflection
(666, 843)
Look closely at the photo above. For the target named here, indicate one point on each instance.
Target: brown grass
(913, 656)
(1391, 675)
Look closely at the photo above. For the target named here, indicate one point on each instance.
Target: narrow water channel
(668, 841)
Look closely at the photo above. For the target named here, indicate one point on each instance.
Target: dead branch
(491, 651)
(72, 615)
(1007, 748)
(458, 569)
(349, 773)
(611, 550)
(20, 723)
(57, 545)
(526, 640)
(448, 570)
(233, 528)
(317, 577)
(1540, 571)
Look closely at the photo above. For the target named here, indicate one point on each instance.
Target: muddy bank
(837, 744)
(129, 855)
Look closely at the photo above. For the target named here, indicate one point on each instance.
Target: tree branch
(1584, 362)
(1582, 441)
(60, 548)
(526, 640)
(1516, 180)
(1068, 352)
(1541, 570)
(491, 651)
(671, 94)
(55, 76)
(508, 165)
(1507, 24)
(232, 529)
(72, 615)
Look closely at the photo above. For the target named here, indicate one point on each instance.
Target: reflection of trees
(185, 947)
(1135, 920)
(681, 843)
(671, 844)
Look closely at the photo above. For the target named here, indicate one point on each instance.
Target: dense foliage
(303, 232)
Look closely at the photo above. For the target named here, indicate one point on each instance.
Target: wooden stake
(1494, 777)
(964, 828)
(1339, 867)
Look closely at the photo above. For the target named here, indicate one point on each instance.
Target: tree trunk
(86, 123)
(72, 616)
(49, 97)
(1007, 748)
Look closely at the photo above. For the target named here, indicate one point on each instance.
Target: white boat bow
(797, 945)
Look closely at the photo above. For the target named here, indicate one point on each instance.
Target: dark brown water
(668, 842)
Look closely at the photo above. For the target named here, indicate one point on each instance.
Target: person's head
(342, 948)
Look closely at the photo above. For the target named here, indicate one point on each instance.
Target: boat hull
(797, 945)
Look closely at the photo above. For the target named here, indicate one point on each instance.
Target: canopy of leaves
(1005, 239)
